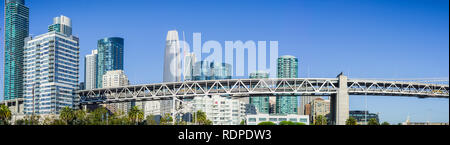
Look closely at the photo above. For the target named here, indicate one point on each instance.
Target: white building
(116, 78)
(149, 107)
(51, 62)
(258, 118)
(220, 110)
(172, 66)
(90, 70)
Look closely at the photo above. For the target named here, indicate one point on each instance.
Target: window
(262, 119)
(251, 119)
(272, 119)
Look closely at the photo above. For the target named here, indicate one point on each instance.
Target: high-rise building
(51, 72)
(220, 71)
(172, 67)
(304, 101)
(109, 57)
(16, 30)
(261, 103)
(220, 110)
(320, 106)
(202, 71)
(90, 70)
(116, 78)
(189, 61)
(172, 58)
(287, 68)
(61, 24)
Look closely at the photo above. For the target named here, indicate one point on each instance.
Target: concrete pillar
(17, 106)
(340, 102)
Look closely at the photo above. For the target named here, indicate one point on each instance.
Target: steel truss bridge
(338, 88)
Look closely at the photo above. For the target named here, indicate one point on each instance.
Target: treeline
(99, 116)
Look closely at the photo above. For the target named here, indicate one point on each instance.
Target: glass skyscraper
(16, 30)
(51, 68)
(287, 68)
(261, 103)
(109, 57)
(220, 71)
(203, 70)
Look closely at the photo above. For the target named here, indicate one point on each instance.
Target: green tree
(351, 121)
(80, 117)
(242, 122)
(136, 115)
(151, 120)
(373, 121)
(67, 115)
(166, 119)
(320, 120)
(300, 123)
(385, 123)
(202, 119)
(266, 123)
(287, 123)
(5, 115)
(98, 117)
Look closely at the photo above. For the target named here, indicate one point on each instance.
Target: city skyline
(306, 67)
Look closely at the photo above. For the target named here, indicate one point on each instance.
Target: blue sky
(363, 38)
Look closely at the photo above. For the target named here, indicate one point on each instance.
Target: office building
(220, 71)
(109, 57)
(287, 68)
(261, 103)
(117, 78)
(51, 72)
(318, 107)
(90, 70)
(172, 58)
(361, 116)
(202, 71)
(220, 110)
(189, 61)
(61, 24)
(16, 22)
(258, 118)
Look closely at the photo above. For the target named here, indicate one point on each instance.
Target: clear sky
(362, 38)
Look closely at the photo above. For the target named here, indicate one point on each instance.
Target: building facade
(261, 103)
(16, 30)
(61, 24)
(117, 78)
(90, 70)
(287, 68)
(321, 107)
(189, 61)
(109, 57)
(361, 116)
(220, 110)
(51, 72)
(258, 118)
(172, 58)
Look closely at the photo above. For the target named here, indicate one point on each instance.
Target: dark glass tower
(109, 57)
(16, 30)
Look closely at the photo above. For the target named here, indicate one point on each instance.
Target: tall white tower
(172, 58)
(90, 70)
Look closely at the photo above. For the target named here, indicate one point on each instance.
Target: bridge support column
(340, 102)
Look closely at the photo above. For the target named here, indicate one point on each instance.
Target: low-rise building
(258, 118)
